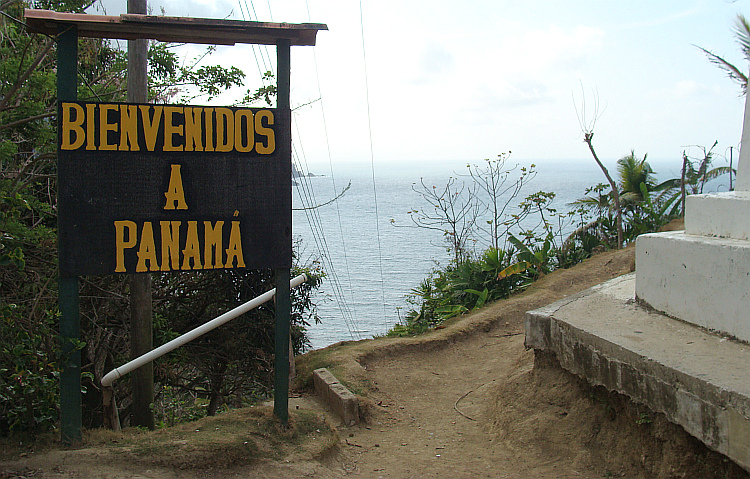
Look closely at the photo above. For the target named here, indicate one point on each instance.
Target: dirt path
(432, 419)
(467, 401)
(439, 410)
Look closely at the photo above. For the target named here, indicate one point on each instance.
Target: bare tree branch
(588, 136)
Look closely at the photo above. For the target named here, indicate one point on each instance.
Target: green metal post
(70, 376)
(281, 359)
(283, 299)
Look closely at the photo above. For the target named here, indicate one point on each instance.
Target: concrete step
(700, 279)
(698, 379)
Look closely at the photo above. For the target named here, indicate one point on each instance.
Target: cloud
(530, 67)
(541, 51)
(686, 90)
(434, 61)
(497, 97)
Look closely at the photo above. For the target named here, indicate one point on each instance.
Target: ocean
(372, 254)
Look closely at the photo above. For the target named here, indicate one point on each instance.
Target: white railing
(117, 373)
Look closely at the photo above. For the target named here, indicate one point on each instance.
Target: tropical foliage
(533, 243)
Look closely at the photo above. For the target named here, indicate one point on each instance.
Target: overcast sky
(462, 81)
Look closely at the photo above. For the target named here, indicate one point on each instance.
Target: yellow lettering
(105, 127)
(121, 243)
(193, 130)
(263, 130)
(129, 128)
(224, 129)
(175, 193)
(170, 245)
(238, 131)
(235, 247)
(209, 129)
(90, 127)
(147, 250)
(170, 129)
(192, 248)
(71, 126)
(213, 245)
(151, 125)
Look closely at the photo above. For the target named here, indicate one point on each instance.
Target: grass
(237, 438)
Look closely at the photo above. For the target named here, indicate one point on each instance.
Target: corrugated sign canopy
(174, 29)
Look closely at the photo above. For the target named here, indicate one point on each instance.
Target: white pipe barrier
(117, 373)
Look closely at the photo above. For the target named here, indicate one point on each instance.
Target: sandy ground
(466, 401)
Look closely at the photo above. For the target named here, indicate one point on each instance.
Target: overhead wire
(330, 167)
(257, 49)
(246, 17)
(372, 162)
(306, 196)
(267, 63)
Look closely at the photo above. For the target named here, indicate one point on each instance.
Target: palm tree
(695, 174)
(633, 173)
(634, 185)
(742, 30)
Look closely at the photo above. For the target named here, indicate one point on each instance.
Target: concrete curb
(343, 403)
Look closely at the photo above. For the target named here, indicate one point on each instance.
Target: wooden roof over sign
(174, 29)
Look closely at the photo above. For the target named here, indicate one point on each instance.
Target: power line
(372, 161)
(307, 197)
(306, 193)
(330, 165)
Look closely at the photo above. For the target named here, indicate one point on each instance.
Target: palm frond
(732, 71)
(718, 171)
(588, 228)
(667, 185)
(742, 31)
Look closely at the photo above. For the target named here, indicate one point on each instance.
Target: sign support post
(283, 299)
(141, 315)
(70, 322)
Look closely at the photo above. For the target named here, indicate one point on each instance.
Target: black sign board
(146, 188)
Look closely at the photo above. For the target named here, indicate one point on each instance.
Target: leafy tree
(645, 206)
(588, 138)
(29, 350)
(696, 173)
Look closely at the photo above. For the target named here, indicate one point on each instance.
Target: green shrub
(29, 371)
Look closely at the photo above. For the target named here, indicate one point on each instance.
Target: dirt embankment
(464, 401)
